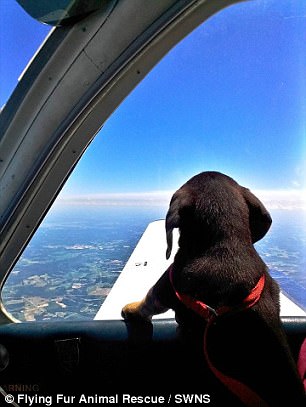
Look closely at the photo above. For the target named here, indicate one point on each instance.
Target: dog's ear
(181, 199)
(259, 218)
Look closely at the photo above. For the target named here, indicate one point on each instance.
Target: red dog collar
(207, 312)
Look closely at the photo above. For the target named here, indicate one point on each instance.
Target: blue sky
(230, 97)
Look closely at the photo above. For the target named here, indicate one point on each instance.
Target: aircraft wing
(146, 264)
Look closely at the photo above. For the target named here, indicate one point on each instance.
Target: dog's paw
(132, 311)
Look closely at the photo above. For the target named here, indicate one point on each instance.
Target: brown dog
(218, 267)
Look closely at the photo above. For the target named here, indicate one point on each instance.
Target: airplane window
(230, 97)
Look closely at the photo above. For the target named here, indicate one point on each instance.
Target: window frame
(36, 164)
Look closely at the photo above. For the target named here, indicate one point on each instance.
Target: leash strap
(243, 392)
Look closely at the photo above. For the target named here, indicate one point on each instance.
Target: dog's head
(208, 200)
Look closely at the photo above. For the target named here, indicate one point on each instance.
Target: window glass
(20, 37)
(73, 261)
(231, 98)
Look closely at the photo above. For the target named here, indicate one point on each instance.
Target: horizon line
(272, 198)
